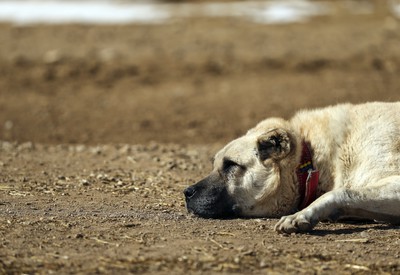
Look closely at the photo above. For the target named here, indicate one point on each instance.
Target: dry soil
(102, 128)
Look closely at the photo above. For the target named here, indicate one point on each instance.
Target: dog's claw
(293, 224)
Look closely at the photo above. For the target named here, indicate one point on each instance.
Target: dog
(331, 163)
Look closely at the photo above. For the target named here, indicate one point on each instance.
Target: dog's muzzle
(209, 198)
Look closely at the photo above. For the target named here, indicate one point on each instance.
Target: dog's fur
(356, 149)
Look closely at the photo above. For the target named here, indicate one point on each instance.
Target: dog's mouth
(213, 211)
(209, 198)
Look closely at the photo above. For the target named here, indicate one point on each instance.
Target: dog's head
(253, 176)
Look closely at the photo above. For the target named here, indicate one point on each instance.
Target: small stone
(26, 146)
(8, 125)
(85, 182)
(52, 57)
(107, 54)
(125, 149)
(263, 264)
(96, 150)
(325, 267)
(80, 148)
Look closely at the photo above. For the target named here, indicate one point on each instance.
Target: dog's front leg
(306, 219)
(379, 201)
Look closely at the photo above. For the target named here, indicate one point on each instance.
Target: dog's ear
(275, 144)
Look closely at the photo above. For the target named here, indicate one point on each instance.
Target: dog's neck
(307, 177)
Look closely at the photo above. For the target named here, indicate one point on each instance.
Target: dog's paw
(294, 223)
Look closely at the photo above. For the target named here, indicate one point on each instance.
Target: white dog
(325, 164)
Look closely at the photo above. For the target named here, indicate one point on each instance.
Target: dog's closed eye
(229, 165)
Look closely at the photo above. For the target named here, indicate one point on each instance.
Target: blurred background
(186, 71)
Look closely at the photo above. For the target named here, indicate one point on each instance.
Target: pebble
(52, 56)
(263, 264)
(107, 54)
(8, 125)
(85, 182)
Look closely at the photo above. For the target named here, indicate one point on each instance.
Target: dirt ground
(102, 128)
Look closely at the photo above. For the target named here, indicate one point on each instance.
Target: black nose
(189, 192)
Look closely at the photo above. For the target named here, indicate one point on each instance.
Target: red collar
(307, 177)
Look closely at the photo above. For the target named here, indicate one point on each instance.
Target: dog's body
(355, 148)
